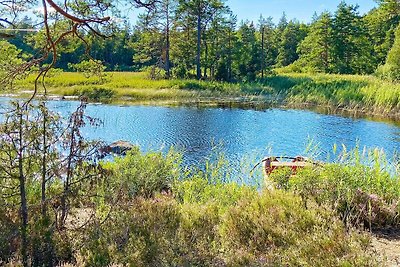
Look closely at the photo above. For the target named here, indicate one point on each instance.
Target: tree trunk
(43, 202)
(22, 192)
(167, 63)
(48, 253)
(206, 58)
(262, 53)
(229, 67)
(198, 65)
(64, 206)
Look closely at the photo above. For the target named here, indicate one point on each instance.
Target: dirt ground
(387, 244)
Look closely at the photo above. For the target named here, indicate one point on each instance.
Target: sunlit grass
(352, 92)
(366, 93)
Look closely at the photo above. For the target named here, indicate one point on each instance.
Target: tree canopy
(200, 39)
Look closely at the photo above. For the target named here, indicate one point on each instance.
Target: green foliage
(382, 22)
(144, 175)
(152, 218)
(248, 62)
(391, 69)
(275, 229)
(260, 228)
(166, 38)
(290, 38)
(89, 68)
(351, 47)
(361, 195)
(316, 49)
(10, 59)
(39, 184)
(96, 94)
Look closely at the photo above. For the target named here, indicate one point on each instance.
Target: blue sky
(300, 9)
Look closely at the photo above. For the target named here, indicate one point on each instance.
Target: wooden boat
(294, 163)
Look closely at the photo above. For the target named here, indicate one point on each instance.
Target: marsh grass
(366, 94)
(134, 85)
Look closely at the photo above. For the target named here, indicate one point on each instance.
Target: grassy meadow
(354, 93)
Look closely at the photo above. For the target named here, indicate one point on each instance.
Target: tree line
(202, 39)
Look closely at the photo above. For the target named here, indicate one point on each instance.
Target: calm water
(240, 134)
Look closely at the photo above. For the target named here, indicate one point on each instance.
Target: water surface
(239, 134)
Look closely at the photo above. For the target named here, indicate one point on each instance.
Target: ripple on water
(237, 133)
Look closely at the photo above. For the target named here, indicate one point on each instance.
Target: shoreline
(346, 95)
(263, 103)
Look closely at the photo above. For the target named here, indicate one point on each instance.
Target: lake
(242, 135)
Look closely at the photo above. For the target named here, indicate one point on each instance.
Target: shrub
(276, 230)
(9, 234)
(143, 175)
(89, 68)
(97, 94)
(361, 195)
(270, 228)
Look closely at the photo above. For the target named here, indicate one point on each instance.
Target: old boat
(272, 163)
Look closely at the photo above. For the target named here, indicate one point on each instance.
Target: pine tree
(316, 49)
(248, 62)
(391, 69)
(269, 50)
(382, 23)
(291, 37)
(351, 46)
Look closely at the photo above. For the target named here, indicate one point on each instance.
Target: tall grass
(208, 220)
(363, 187)
(365, 93)
(354, 92)
(158, 214)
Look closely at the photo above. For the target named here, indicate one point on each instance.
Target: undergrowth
(157, 213)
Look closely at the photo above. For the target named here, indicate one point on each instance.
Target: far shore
(349, 95)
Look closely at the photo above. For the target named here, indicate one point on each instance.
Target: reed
(350, 92)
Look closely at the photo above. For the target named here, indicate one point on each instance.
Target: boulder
(118, 148)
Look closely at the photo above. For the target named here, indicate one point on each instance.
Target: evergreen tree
(183, 37)
(382, 23)
(248, 62)
(203, 12)
(269, 50)
(291, 37)
(391, 69)
(159, 19)
(149, 44)
(225, 54)
(351, 46)
(316, 49)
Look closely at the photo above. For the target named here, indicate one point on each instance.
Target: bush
(89, 68)
(97, 94)
(9, 234)
(361, 195)
(143, 175)
(275, 229)
(271, 228)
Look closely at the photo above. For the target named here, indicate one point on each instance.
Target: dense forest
(204, 40)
